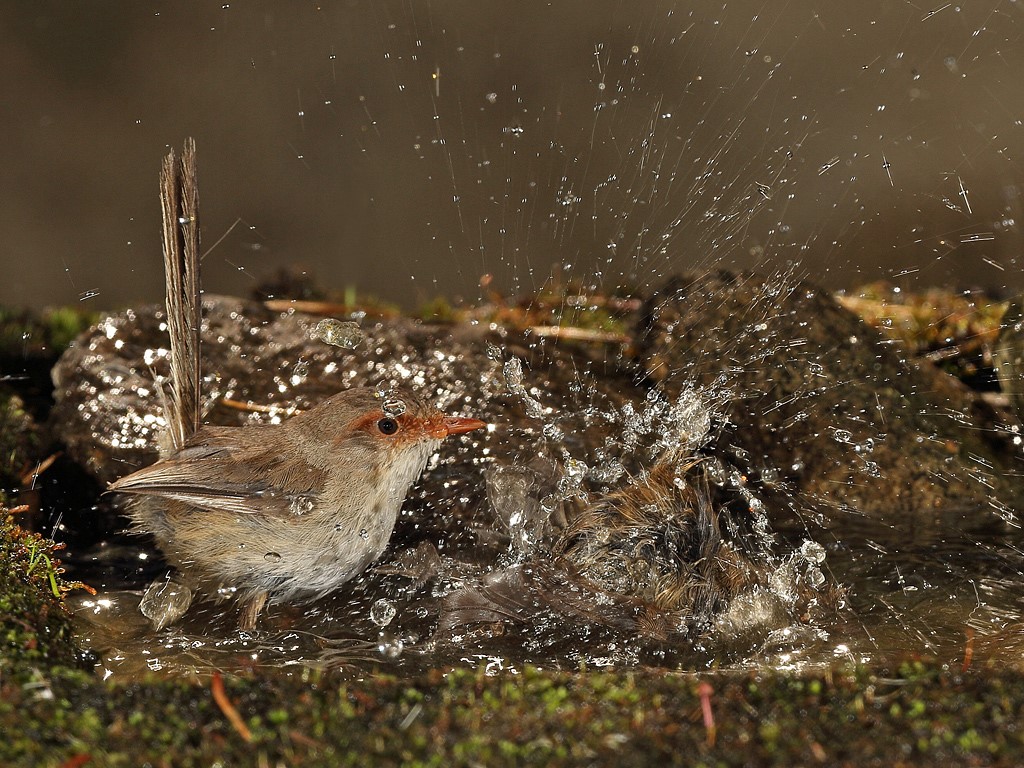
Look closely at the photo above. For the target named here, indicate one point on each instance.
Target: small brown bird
(292, 511)
(658, 539)
(649, 560)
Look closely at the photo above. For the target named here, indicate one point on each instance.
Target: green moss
(537, 717)
(591, 318)
(64, 324)
(956, 329)
(25, 334)
(35, 629)
(439, 310)
(19, 441)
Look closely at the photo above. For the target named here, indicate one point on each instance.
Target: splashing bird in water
(290, 512)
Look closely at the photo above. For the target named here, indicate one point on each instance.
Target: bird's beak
(456, 425)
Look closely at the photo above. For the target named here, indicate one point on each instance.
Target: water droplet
(608, 472)
(299, 372)
(549, 504)
(552, 431)
(871, 469)
(513, 371)
(512, 494)
(382, 612)
(390, 647)
(165, 602)
(337, 333)
(533, 407)
(716, 471)
(689, 419)
(568, 199)
(392, 406)
(815, 577)
(302, 505)
(570, 485)
(812, 552)
(364, 534)
(272, 557)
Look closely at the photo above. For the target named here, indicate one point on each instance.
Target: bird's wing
(212, 471)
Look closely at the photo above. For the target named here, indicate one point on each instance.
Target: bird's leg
(251, 608)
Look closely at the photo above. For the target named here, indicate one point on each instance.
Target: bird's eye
(387, 426)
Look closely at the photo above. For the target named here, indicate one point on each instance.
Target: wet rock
(108, 398)
(839, 414)
(788, 352)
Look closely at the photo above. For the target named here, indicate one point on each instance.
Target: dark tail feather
(179, 200)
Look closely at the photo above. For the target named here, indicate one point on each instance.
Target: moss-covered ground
(920, 715)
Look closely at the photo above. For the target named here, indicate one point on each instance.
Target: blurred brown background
(407, 148)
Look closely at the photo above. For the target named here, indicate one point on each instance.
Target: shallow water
(943, 595)
(810, 442)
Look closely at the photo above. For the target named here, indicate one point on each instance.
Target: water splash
(338, 333)
(165, 601)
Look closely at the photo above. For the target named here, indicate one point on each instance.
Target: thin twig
(77, 760)
(968, 650)
(250, 407)
(45, 464)
(306, 740)
(221, 697)
(326, 308)
(704, 690)
(572, 333)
